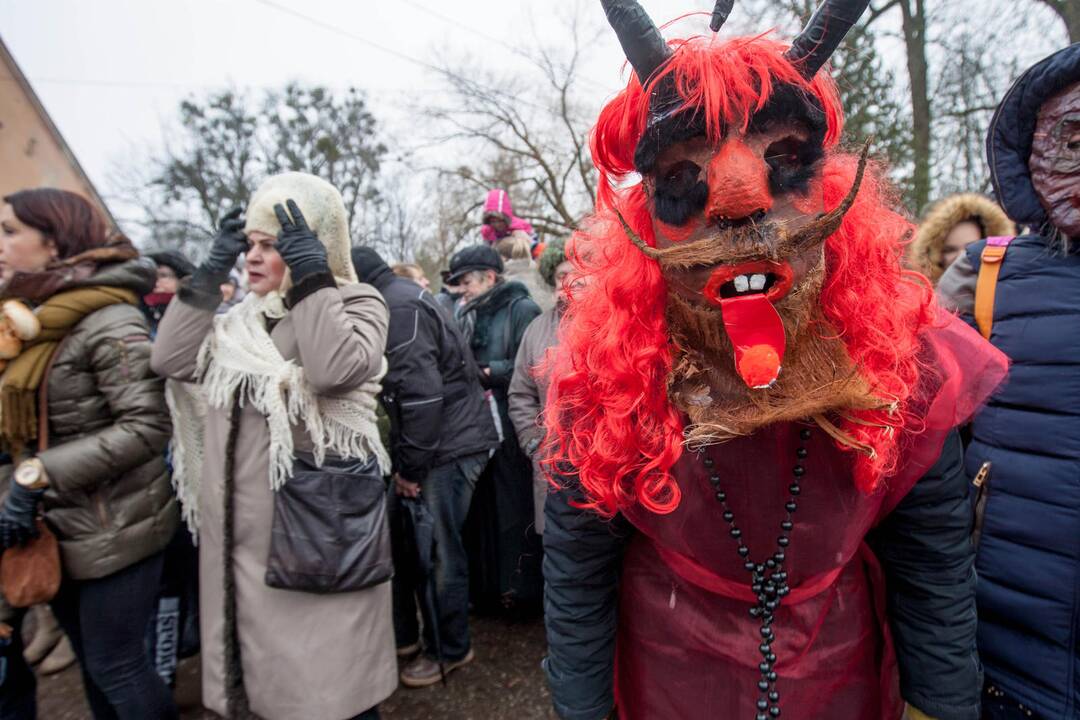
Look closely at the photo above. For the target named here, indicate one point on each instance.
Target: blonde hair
(412, 271)
(515, 247)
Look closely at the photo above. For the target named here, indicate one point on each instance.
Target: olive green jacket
(110, 499)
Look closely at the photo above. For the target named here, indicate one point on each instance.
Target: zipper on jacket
(125, 368)
(982, 489)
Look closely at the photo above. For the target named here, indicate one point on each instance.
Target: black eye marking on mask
(680, 192)
(669, 123)
(792, 164)
(792, 160)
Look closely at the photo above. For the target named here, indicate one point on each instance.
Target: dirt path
(504, 683)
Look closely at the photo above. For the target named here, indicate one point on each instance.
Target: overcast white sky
(111, 72)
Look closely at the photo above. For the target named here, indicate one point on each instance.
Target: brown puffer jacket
(109, 500)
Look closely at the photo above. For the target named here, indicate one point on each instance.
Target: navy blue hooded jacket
(1028, 558)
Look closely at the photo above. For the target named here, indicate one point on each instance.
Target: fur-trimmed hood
(925, 252)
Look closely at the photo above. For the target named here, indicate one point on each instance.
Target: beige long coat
(304, 656)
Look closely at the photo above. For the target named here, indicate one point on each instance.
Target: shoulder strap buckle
(993, 254)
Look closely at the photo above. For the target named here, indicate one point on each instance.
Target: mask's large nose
(738, 183)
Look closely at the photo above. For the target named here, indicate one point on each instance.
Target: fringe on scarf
(187, 405)
(239, 360)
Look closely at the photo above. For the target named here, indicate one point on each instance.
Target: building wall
(32, 151)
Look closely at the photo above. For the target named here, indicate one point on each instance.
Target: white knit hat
(323, 209)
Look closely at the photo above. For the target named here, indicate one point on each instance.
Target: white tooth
(742, 284)
(757, 282)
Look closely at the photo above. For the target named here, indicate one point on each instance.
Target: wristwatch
(532, 446)
(31, 474)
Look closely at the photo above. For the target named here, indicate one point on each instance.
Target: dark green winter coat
(501, 317)
(504, 550)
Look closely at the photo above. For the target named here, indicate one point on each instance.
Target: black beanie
(368, 263)
(175, 260)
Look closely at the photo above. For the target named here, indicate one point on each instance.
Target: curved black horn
(824, 33)
(720, 14)
(641, 41)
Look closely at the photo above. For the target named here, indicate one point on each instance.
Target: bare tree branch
(534, 140)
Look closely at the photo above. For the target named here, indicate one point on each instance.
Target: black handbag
(330, 532)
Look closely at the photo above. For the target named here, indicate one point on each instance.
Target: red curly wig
(610, 422)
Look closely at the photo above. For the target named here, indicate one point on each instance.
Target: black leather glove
(18, 515)
(298, 245)
(229, 242)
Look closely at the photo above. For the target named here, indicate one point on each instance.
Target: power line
(397, 53)
(158, 84)
(87, 82)
(480, 33)
(153, 84)
(351, 35)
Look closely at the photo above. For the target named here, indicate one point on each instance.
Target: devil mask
(752, 277)
(1055, 160)
(737, 213)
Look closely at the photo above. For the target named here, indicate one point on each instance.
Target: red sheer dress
(687, 646)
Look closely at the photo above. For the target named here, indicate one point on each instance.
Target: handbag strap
(993, 255)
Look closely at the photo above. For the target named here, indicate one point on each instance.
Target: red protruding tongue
(757, 332)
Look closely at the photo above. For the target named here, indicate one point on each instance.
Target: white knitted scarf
(239, 355)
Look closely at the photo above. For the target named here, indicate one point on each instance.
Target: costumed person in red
(761, 508)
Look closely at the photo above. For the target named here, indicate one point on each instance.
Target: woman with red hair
(751, 419)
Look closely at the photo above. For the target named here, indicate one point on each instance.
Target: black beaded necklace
(768, 579)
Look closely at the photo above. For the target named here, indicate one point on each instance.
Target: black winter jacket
(431, 392)
(923, 546)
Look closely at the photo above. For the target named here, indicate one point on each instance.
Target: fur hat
(323, 209)
(925, 252)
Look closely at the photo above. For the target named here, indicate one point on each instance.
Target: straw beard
(818, 376)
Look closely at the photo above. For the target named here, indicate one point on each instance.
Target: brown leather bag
(30, 575)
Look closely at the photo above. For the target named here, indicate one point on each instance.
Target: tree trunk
(914, 25)
(1069, 11)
